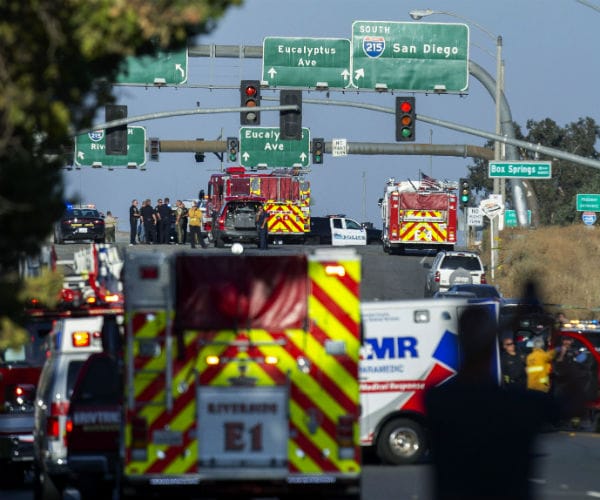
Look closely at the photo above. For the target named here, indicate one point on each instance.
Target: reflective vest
(538, 370)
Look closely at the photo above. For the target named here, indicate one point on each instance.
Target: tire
(401, 442)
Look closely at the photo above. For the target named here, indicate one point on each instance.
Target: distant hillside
(563, 261)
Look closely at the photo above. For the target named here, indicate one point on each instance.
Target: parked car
(236, 222)
(81, 222)
(453, 268)
(70, 342)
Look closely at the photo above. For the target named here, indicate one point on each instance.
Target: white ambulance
(408, 346)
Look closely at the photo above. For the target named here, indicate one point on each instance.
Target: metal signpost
(306, 62)
(520, 169)
(263, 147)
(90, 150)
(167, 68)
(425, 57)
(588, 202)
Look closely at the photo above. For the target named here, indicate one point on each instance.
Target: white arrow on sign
(345, 74)
(246, 155)
(359, 73)
(180, 69)
(303, 156)
(81, 155)
(272, 72)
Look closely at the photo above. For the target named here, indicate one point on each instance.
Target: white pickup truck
(336, 231)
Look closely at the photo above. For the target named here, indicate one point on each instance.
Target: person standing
(195, 221)
(262, 218)
(149, 218)
(512, 365)
(179, 216)
(539, 366)
(164, 218)
(134, 217)
(110, 227)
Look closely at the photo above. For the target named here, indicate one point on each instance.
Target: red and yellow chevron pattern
(323, 394)
(286, 218)
(423, 232)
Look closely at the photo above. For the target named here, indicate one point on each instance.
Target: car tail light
(221, 222)
(483, 281)
(139, 439)
(57, 410)
(345, 436)
(436, 277)
(149, 272)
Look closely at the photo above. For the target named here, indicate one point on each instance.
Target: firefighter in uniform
(195, 223)
(539, 366)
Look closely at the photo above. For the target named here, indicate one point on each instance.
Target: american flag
(429, 182)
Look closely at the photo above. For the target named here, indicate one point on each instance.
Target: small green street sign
(90, 149)
(520, 169)
(510, 218)
(306, 62)
(263, 147)
(588, 202)
(425, 57)
(167, 68)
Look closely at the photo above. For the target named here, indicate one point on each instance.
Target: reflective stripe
(535, 369)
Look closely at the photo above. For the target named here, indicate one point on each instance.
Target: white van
(70, 342)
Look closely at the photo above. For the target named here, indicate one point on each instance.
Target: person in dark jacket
(512, 365)
(164, 221)
(134, 217)
(149, 218)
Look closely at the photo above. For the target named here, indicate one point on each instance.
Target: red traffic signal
(405, 118)
(250, 98)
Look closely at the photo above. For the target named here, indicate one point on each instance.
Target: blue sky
(550, 49)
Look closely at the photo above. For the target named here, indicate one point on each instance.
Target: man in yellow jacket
(195, 223)
(539, 366)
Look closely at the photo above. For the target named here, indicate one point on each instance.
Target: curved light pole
(494, 223)
(421, 13)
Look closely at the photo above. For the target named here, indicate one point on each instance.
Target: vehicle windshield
(457, 261)
(87, 212)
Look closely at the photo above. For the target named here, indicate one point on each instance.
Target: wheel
(401, 441)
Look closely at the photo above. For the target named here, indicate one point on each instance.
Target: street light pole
(494, 222)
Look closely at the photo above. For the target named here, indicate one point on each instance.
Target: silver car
(453, 268)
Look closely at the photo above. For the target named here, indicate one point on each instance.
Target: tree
(57, 60)
(555, 197)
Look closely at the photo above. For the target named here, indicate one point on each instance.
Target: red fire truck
(285, 193)
(417, 214)
(241, 375)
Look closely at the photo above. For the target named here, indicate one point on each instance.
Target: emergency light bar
(81, 339)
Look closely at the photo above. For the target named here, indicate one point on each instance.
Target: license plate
(462, 279)
(83, 229)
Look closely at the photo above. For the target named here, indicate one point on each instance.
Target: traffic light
(290, 122)
(405, 119)
(464, 192)
(233, 146)
(116, 137)
(199, 155)
(154, 148)
(250, 98)
(318, 149)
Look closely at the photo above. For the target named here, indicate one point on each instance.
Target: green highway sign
(588, 202)
(520, 169)
(426, 57)
(510, 218)
(167, 68)
(90, 149)
(306, 62)
(263, 147)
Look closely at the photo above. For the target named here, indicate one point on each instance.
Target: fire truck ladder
(155, 350)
